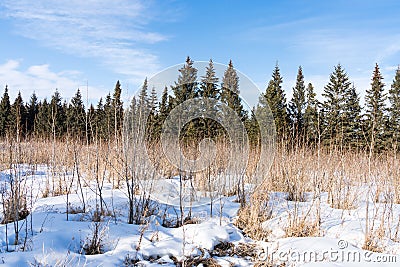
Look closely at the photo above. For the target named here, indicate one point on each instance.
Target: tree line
(338, 120)
(57, 118)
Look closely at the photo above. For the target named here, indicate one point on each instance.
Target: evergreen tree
(57, 115)
(353, 135)
(32, 111)
(311, 116)
(18, 116)
(100, 121)
(43, 119)
(335, 97)
(252, 128)
(375, 111)
(209, 81)
(275, 97)
(118, 109)
(230, 93)
(186, 86)
(153, 119)
(297, 106)
(5, 113)
(144, 101)
(163, 105)
(184, 89)
(76, 116)
(394, 111)
(144, 108)
(208, 126)
(164, 109)
(108, 123)
(91, 127)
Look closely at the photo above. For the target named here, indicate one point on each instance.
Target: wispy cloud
(113, 32)
(42, 80)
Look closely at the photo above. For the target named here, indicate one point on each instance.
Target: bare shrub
(94, 243)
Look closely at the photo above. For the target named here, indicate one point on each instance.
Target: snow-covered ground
(48, 239)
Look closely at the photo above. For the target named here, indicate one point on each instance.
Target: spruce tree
(144, 101)
(5, 113)
(164, 106)
(209, 83)
(118, 109)
(252, 128)
(311, 116)
(108, 126)
(163, 111)
(43, 120)
(57, 115)
(153, 119)
(18, 117)
(394, 111)
(76, 116)
(375, 111)
(230, 92)
(353, 135)
(184, 89)
(335, 97)
(100, 121)
(186, 86)
(208, 127)
(275, 97)
(297, 106)
(32, 111)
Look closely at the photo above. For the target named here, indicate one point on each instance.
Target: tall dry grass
(302, 173)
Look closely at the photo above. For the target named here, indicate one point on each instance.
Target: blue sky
(47, 44)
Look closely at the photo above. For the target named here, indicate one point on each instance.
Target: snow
(54, 241)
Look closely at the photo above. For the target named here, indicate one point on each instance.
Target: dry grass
(299, 172)
(303, 228)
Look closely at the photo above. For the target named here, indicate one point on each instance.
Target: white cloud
(42, 80)
(114, 32)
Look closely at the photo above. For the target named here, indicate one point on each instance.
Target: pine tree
(184, 89)
(297, 106)
(209, 81)
(32, 111)
(76, 116)
(43, 120)
(275, 97)
(230, 93)
(186, 86)
(100, 121)
(163, 111)
(154, 114)
(394, 111)
(143, 108)
(252, 128)
(5, 113)
(18, 116)
(375, 111)
(311, 116)
(118, 109)
(144, 102)
(335, 96)
(108, 123)
(57, 115)
(353, 135)
(208, 126)
(164, 105)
